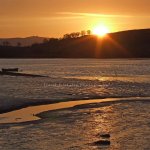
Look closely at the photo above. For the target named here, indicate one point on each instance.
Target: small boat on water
(10, 69)
(16, 72)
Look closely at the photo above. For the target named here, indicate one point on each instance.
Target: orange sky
(53, 18)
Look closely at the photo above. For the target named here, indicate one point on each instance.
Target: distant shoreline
(138, 58)
(125, 44)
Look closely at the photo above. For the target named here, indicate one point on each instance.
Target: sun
(100, 31)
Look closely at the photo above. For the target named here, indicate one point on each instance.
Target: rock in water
(105, 135)
(102, 142)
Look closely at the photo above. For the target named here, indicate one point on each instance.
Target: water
(76, 78)
(78, 128)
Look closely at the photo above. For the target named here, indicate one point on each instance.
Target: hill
(125, 44)
(28, 41)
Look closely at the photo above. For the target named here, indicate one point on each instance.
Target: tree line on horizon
(6, 43)
(45, 40)
(77, 34)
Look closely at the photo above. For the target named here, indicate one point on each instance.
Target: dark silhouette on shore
(125, 44)
(15, 72)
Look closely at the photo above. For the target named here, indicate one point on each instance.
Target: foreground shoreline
(109, 124)
(34, 113)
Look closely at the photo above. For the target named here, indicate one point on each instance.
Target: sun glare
(100, 30)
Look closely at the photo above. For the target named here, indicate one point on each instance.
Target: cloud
(62, 18)
(93, 15)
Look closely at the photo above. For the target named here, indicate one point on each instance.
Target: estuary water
(76, 79)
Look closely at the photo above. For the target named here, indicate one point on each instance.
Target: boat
(10, 69)
(15, 72)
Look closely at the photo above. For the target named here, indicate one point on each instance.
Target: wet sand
(80, 127)
(32, 113)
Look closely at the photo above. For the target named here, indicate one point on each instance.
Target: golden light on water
(100, 30)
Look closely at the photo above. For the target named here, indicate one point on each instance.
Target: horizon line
(23, 37)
